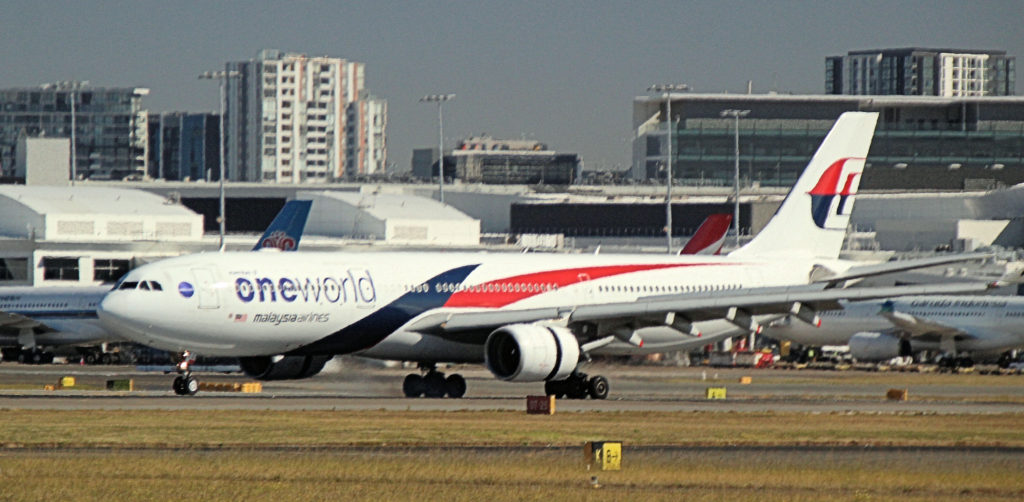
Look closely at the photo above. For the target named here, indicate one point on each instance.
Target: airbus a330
(527, 317)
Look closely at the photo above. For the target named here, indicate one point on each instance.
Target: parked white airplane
(35, 317)
(528, 317)
(961, 327)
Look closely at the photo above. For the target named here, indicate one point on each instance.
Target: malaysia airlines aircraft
(36, 317)
(962, 327)
(528, 317)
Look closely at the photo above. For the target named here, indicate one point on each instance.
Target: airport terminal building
(921, 142)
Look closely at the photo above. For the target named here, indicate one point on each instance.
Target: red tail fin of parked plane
(710, 236)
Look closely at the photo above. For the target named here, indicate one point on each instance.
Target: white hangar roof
(385, 206)
(394, 218)
(93, 213)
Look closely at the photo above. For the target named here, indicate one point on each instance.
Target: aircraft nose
(114, 312)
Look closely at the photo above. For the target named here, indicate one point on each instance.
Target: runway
(351, 385)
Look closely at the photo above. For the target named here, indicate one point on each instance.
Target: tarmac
(354, 385)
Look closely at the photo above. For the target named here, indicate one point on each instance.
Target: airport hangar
(634, 215)
(91, 233)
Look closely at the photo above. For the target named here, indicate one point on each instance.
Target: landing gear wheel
(1004, 360)
(598, 387)
(191, 386)
(413, 385)
(576, 386)
(455, 386)
(434, 383)
(179, 385)
(555, 388)
(184, 384)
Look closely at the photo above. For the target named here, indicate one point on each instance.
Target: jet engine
(282, 367)
(873, 346)
(531, 353)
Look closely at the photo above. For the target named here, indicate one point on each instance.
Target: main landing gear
(433, 383)
(578, 386)
(954, 363)
(35, 355)
(184, 383)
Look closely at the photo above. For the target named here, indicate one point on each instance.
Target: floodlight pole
(667, 89)
(736, 114)
(223, 77)
(439, 99)
(75, 86)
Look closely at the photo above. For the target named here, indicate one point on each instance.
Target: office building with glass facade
(183, 146)
(111, 127)
(921, 142)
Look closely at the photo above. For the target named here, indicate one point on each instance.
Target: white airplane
(963, 328)
(528, 317)
(35, 317)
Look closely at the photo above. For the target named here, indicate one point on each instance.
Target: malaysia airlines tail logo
(280, 240)
(834, 185)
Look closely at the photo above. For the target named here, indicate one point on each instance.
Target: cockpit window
(143, 285)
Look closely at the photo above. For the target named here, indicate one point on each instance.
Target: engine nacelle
(282, 368)
(531, 353)
(873, 346)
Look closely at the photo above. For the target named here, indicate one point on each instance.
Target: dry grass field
(226, 428)
(498, 455)
(397, 474)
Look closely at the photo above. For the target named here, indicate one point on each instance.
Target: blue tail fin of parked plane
(286, 229)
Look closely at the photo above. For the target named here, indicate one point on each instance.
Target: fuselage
(69, 313)
(996, 322)
(248, 304)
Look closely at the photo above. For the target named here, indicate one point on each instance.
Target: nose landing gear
(184, 383)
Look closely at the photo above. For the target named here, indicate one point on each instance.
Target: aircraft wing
(862, 271)
(469, 325)
(10, 320)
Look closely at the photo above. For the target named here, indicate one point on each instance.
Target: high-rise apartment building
(111, 131)
(922, 72)
(367, 128)
(292, 118)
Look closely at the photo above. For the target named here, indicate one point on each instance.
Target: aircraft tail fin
(812, 220)
(285, 231)
(710, 236)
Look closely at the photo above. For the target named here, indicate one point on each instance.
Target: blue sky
(562, 72)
